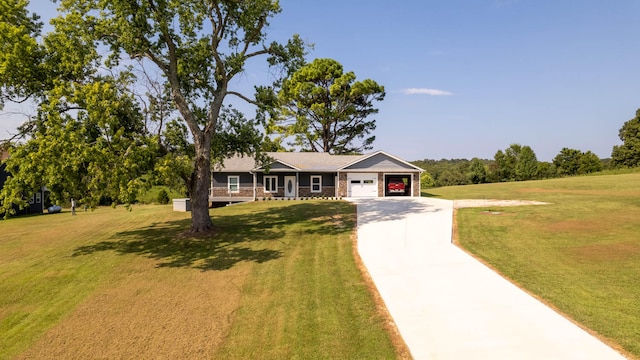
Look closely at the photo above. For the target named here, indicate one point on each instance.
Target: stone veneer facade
(223, 192)
(342, 185)
(415, 185)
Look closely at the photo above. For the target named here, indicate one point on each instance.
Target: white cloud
(434, 92)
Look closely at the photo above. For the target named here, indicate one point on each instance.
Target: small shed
(182, 205)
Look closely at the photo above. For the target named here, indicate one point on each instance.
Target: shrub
(163, 197)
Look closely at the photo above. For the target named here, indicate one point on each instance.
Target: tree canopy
(516, 162)
(324, 109)
(526, 164)
(86, 140)
(196, 48)
(477, 172)
(575, 162)
(628, 154)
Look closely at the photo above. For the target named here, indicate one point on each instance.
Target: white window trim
(274, 179)
(237, 184)
(319, 177)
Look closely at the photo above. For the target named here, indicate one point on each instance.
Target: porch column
(255, 184)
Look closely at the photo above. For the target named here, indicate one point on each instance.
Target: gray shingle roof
(299, 160)
(314, 161)
(307, 161)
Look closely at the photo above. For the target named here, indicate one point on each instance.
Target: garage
(362, 185)
(397, 185)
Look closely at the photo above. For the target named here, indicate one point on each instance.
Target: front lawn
(277, 280)
(581, 254)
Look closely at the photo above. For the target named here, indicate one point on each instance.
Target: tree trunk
(199, 189)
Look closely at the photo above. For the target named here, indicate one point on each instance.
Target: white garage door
(362, 185)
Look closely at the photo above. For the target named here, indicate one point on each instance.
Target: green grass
(277, 280)
(581, 254)
(311, 303)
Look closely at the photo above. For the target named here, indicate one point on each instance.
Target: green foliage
(426, 181)
(99, 150)
(272, 145)
(547, 170)
(575, 162)
(628, 154)
(526, 164)
(517, 162)
(451, 178)
(325, 109)
(456, 170)
(196, 49)
(477, 172)
(589, 163)
(567, 161)
(163, 197)
(19, 32)
(503, 169)
(151, 195)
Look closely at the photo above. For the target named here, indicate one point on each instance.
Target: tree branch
(250, 101)
(172, 75)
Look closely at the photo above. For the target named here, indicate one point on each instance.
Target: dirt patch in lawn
(607, 252)
(582, 226)
(159, 313)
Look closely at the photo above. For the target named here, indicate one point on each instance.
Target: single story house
(312, 174)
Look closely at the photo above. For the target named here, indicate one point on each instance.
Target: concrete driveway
(446, 304)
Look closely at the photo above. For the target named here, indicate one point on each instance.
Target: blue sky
(466, 78)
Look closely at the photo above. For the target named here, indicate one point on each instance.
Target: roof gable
(279, 165)
(380, 161)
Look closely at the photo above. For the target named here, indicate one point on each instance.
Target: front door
(290, 186)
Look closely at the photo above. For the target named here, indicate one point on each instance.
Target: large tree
(477, 172)
(505, 163)
(526, 164)
(589, 163)
(198, 47)
(324, 109)
(575, 162)
(86, 140)
(628, 154)
(568, 161)
(517, 162)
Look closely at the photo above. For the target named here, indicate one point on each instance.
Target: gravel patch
(480, 203)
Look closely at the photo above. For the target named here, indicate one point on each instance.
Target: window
(316, 183)
(233, 183)
(38, 198)
(270, 184)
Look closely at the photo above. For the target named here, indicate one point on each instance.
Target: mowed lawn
(278, 279)
(581, 254)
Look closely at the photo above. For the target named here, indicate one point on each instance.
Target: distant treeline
(516, 163)
(519, 163)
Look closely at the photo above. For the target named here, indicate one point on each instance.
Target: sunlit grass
(581, 253)
(275, 279)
